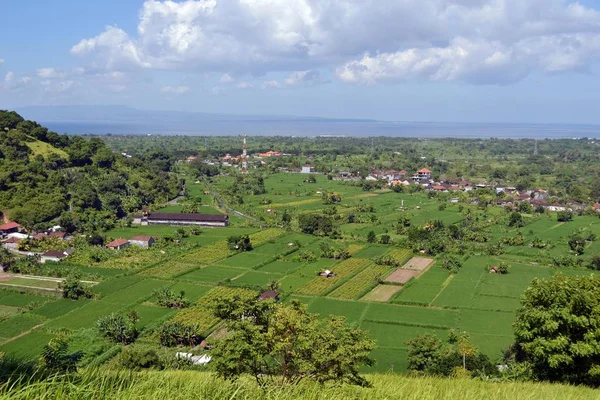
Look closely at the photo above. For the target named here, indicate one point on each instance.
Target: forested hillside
(46, 176)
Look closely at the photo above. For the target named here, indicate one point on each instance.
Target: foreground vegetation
(100, 384)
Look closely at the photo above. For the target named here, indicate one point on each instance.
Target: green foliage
(458, 357)
(564, 216)
(315, 224)
(285, 344)
(556, 329)
(451, 263)
(179, 334)
(55, 356)
(239, 243)
(371, 237)
(165, 297)
(515, 220)
(331, 198)
(135, 359)
(71, 172)
(577, 243)
(118, 328)
(72, 288)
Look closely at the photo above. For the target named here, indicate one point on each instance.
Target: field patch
(372, 252)
(86, 316)
(29, 346)
(388, 360)
(255, 278)
(18, 324)
(213, 274)
(136, 292)
(246, 260)
(150, 314)
(291, 283)
(402, 276)
(361, 283)
(352, 310)
(418, 263)
(320, 285)
(59, 307)
(192, 291)
(114, 285)
(280, 267)
(395, 336)
(17, 299)
(382, 293)
(497, 323)
(169, 269)
(408, 315)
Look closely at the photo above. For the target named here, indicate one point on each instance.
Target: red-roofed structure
(9, 227)
(142, 241)
(118, 244)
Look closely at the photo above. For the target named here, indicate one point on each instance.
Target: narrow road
(225, 207)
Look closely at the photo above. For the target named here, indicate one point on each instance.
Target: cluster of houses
(510, 194)
(12, 234)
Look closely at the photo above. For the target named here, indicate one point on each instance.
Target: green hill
(38, 147)
(202, 385)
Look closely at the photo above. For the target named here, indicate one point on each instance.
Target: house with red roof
(423, 175)
(142, 241)
(118, 244)
(9, 227)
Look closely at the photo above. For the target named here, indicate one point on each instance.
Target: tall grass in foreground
(102, 384)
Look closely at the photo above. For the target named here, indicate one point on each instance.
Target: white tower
(245, 156)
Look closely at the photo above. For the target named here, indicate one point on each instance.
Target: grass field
(178, 385)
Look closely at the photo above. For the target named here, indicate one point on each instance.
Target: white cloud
(12, 82)
(272, 84)
(476, 61)
(216, 91)
(175, 89)
(226, 78)
(50, 73)
(244, 85)
(480, 41)
(1, 61)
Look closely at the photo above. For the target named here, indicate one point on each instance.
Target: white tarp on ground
(196, 360)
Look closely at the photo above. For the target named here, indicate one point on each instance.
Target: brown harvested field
(402, 275)
(418, 263)
(382, 293)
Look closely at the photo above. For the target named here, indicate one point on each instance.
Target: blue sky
(415, 60)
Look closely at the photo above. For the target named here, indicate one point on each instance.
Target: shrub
(451, 263)
(179, 334)
(135, 359)
(564, 216)
(239, 243)
(119, 328)
(56, 358)
(165, 297)
(73, 289)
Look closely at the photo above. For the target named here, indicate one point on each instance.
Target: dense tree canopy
(557, 330)
(43, 175)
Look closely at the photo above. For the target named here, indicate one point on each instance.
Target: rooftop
(117, 242)
(188, 217)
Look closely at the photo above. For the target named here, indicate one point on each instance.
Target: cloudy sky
(402, 60)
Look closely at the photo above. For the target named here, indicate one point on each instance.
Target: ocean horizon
(331, 128)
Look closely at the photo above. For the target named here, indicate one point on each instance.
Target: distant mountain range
(125, 114)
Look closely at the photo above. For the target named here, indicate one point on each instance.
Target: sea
(341, 128)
